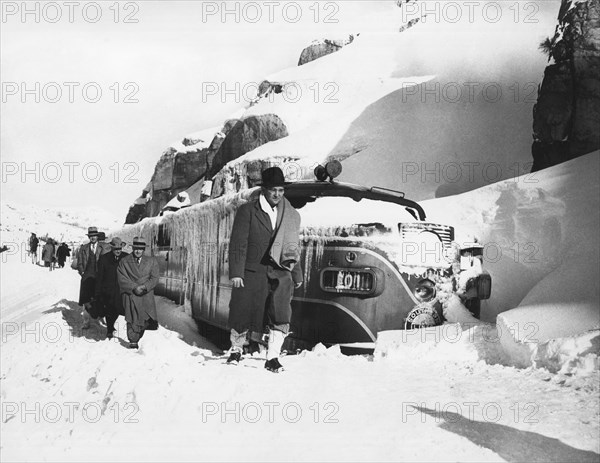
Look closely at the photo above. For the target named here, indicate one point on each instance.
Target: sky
(93, 93)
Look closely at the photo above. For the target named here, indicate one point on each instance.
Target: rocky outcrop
(236, 177)
(137, 211)
(247, 134)
(195, 159)
(567, 114)
(266, 89)
(194, 163)
(323, 47)
(175, 171)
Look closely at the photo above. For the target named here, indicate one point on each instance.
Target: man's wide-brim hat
(116, 243)
(92, 231)
(273, 177)
(139, 243)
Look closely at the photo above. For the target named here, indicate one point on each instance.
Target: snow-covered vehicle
(370, 261)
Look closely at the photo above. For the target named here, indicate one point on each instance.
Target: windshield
(345, 212)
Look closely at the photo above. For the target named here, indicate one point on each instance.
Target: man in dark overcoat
(33, 246)
(62, 253)
(138, 275)
(264, 268)
(87, 266)
(108, 295)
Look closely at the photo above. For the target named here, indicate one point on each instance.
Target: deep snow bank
(541, 246)
(540, 235)
(558, 338)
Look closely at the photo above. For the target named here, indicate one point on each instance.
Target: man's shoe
(151, 324)
(133, 345)
(274, 365)
(234, 358)
(110, 334)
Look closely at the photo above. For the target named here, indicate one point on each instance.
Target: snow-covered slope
(62, 223)
(432, 118)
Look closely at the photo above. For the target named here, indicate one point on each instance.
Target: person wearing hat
(107, 294)
(103, 244)
(62, 252)
(48, 253)
(264, 268)
(33, 247)
(137, 275)
(87, 265)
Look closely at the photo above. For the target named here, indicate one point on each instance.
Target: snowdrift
(540, 237)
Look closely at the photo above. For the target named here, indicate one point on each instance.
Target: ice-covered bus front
(370, 261)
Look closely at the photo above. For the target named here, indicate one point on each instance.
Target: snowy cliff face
(567, 113)
(180, 166)
(247, 134)
(401, 111)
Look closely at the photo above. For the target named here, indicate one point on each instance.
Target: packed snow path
(69, 395)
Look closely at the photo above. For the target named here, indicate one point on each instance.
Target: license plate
(348, 281)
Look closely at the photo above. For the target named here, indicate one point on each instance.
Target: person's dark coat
(107, 292)
(130, 274)
(62, 253)
(48, 252)
(249, 247)
(87, 265)
(33, 244)
(87, 268)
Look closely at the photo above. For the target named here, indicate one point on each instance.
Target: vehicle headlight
(425, 290)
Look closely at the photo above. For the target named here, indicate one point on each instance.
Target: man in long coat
(138, 275)
(33, 246)
(87, 266)
(62, 252)
(108, 295)
(264, 268)
(48, 254)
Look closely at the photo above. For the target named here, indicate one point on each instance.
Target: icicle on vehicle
(370, 260)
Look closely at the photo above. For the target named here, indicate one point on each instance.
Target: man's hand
(237, 282)
(139, 290)
(297, 285)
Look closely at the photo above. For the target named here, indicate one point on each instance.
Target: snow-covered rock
(323, 47)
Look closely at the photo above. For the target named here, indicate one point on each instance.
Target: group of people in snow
(115, 283)
(264, 270)
(53, 254)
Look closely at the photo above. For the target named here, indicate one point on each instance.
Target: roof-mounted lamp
(331, 170)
